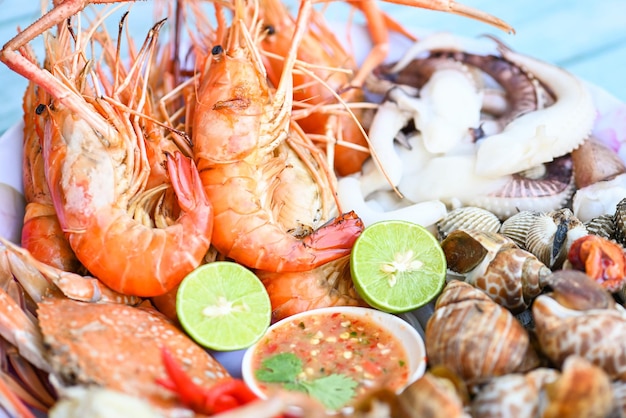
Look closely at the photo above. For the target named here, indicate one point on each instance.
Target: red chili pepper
(223, 396)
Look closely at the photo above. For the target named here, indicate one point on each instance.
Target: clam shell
(517, 226)
(468, 217)
(552, 234)
(475, 337)
(619, 220)
(602, 225)
(547, 235)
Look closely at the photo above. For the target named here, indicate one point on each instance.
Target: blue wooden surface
(588, 38)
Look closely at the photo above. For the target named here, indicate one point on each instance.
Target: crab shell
(512, 277)
(597, 334)
(119, 347)
(475, 337)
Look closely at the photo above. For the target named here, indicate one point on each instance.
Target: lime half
(223, 306)
(397, 266)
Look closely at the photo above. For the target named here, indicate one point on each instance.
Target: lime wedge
(223, 306)
(397, 266)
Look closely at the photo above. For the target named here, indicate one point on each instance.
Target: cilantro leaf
(333, 391)
(280, 368)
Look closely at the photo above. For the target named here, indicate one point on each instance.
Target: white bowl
(402, 330)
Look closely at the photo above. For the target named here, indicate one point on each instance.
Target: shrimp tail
(336, 237)
(188, 187)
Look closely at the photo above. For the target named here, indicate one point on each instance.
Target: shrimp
(239, 131)
(96, 168)
(331, 71)
(321, 287)
(379, 26)
(41, 234)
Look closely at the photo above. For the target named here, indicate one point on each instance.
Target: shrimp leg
(378, 28)
(11, 56)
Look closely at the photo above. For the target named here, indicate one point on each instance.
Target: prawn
(379, 25)
(327, 285)
(42, 235)
(327, 68)
(239, 129)
(96, 168)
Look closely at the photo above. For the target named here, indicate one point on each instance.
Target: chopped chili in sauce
(338, 343)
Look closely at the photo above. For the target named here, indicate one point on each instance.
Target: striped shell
(493, 263)
(544, 188)
(602, 226)
(468, 217)
(517, 226)
(475, 337)
(547, 235)
(619, 220)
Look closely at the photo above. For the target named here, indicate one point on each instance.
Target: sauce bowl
(301, 335)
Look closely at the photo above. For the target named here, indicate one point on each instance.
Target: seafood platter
(245, 132)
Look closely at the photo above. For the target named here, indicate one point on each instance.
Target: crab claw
(223, 396)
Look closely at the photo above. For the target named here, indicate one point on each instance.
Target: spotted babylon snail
(475, 337)
(581, 318)
(513, 395)
(495, 264)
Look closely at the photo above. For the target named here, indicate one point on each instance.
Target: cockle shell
(512, 277)
(547, 235)
(619, 220)
(468, 217)
(582, 390)
(475, 337)
(602, 225)
(516, 226)
(513, 395)
(580, 319)
(544, 187)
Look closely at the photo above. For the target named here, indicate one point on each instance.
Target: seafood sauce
(338, 344)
